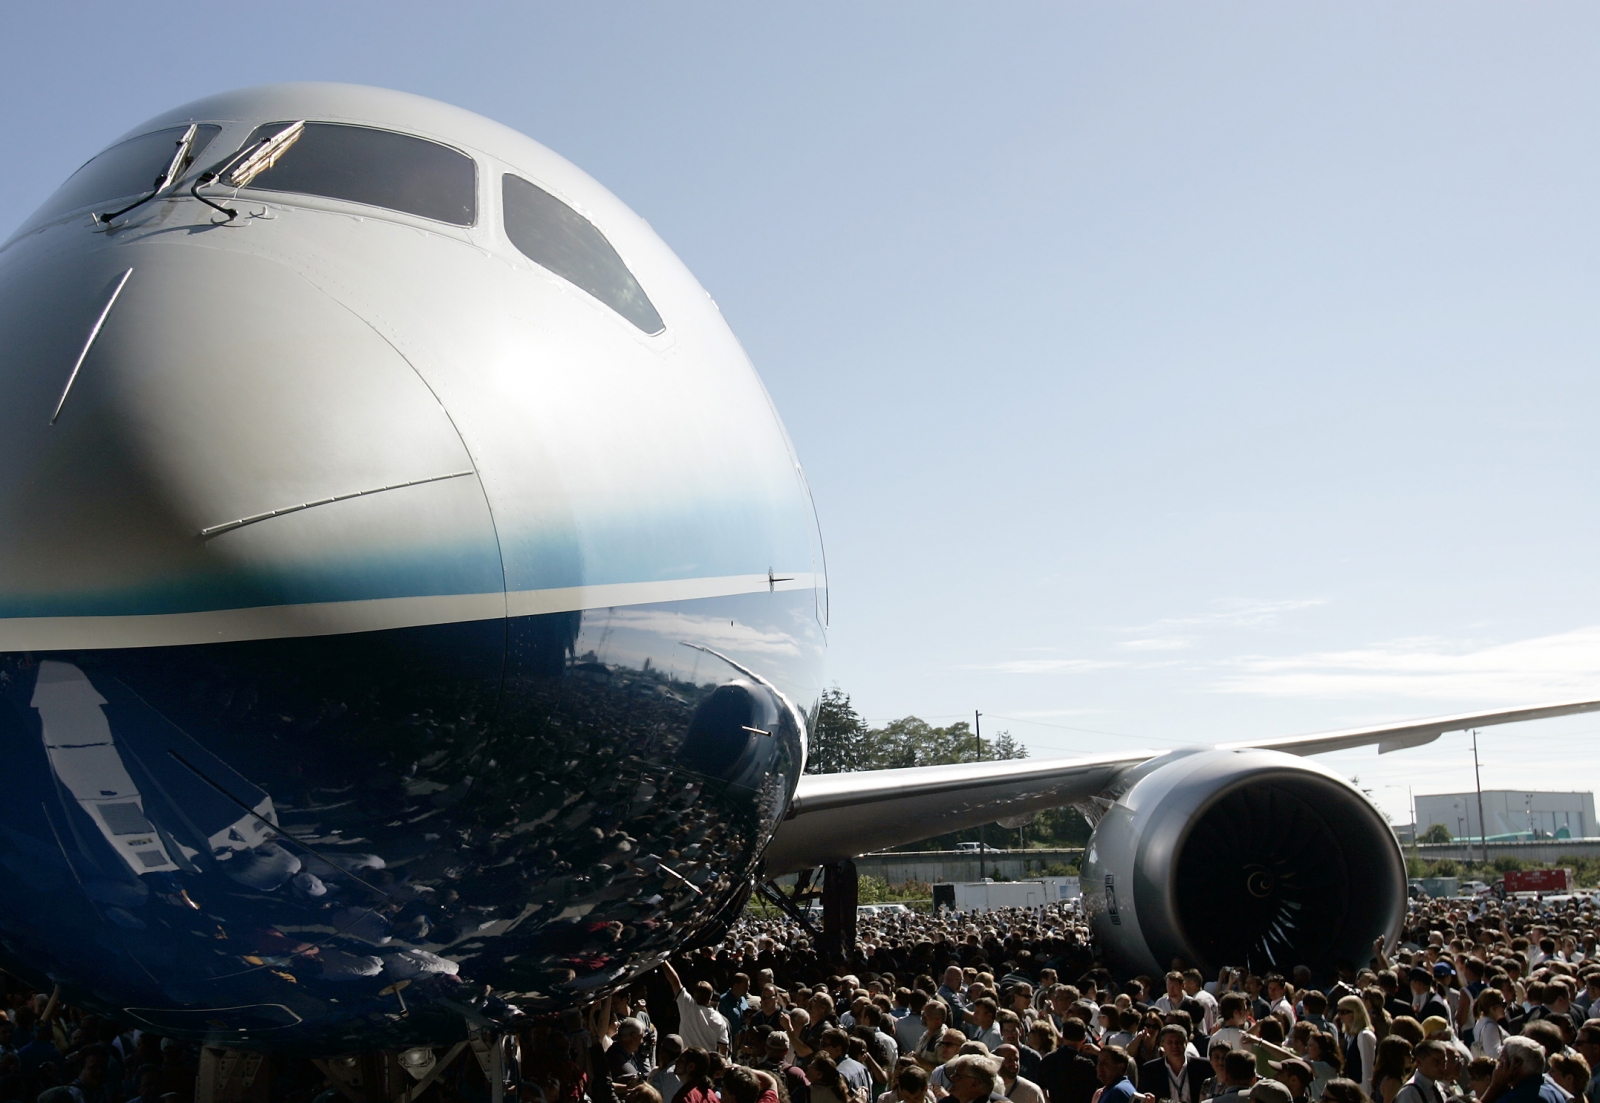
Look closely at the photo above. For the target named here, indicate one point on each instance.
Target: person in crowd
(1069, 1073)
(1587, 1043)
(1313, 1009)
(1391, 1068)
(935, 1023)
(1043, 1037)
(1270, 1091)
(910, 1085)
(1571, 1074)
(1489, 1031)
(1216, 1056)
(981, 1026)
(733, 1004)
(767, 1011)
(1174, 1075)
(1238, 1077)
(665, 1077)
(1146, 1044)
(1427, 1083)
(827, 1086)
(949, 1046)
(745, 1085)
(624, 1063)
(1343, 1091)
(909, 1027)
(1325, 1059)
(1425, 1001)
(1012, 1084)
(693, 1068)
(1112, 1068)
(1296, 1075)
(1519, 1075)
(1028, 1058)
(701, 1025)
(1278, 992)
(973, 1078)
(836, 1044)
(1479, 1074)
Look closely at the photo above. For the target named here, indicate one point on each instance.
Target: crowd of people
(1482, 1002)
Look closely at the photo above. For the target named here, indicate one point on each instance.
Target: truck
(1062, 888)
(987, 895)
(1537, 880)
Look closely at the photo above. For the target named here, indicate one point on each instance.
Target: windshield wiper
(182, 158)
(249, 163)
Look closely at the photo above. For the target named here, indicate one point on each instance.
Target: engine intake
(1254, 859)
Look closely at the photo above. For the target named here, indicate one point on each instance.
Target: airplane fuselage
(408, 609)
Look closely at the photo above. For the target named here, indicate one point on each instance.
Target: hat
(1435, 1024)
(1443, 969)
(778, 1039)
(1417, 972)
(1295, 1067)
(1270, 1091)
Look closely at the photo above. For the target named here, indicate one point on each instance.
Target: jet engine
(1252, 859)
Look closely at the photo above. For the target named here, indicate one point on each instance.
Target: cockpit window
(377, 167)
(554, 236)
(123, 171)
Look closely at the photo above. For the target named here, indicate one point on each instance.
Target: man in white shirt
(1432, 1059)
(1194, 986)
(981, 1025)
(1278, 997)
(1012, 1084)
(699, 1023)
(1175, 993)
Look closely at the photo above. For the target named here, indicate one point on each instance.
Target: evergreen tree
(838, 736)
(1006, 747)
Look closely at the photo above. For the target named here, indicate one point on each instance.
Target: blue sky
(1164, 373)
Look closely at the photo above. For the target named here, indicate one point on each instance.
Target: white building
(1510, 812)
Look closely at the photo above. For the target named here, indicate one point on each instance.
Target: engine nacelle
(1253, 859)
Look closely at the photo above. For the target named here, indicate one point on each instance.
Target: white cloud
(1235, 612)
(1565, 665)
(1155, 643)
(1046, 666)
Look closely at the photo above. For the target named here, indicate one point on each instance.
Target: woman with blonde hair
(1358, 1042)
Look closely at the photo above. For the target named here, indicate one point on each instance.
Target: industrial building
(1511, 814)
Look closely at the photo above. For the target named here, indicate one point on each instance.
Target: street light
(1411, 803)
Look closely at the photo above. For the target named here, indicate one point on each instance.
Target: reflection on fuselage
(506, 814)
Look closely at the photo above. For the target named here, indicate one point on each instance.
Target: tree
(1438, 833)
(1006, 747)
(839, 742)
(912, 741)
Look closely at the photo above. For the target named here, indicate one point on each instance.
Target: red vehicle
(1539, 880)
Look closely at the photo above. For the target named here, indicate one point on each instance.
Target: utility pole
(1483, 828)
(977, 730)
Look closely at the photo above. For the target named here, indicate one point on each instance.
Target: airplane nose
(202, 445)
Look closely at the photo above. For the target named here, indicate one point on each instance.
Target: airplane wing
(837, 816)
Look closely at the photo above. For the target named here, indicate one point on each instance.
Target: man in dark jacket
(1066, 1074)
(1425, 1002)
(1175, 1075)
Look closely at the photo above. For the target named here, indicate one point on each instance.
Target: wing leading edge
(837, 816)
